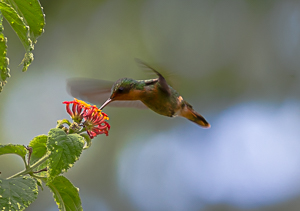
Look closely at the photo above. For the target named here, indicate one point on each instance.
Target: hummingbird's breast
(160, 102)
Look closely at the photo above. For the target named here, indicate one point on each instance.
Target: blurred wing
(162, 81)
(96, 92)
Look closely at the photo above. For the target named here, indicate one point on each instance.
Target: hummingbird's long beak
(106, 103)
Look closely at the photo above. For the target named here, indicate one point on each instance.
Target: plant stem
(44, 179)
(30, 169)
(61, 122)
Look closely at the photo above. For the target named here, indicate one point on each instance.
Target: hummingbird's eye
(121, 89)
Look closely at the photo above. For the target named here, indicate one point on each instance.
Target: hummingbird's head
(123, 89)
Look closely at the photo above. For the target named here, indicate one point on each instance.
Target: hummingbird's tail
(189, 113)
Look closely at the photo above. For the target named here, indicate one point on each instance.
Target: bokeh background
(236, 62)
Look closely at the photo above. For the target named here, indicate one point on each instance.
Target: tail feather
(189, 113)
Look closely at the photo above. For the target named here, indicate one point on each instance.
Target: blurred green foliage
(27, 20)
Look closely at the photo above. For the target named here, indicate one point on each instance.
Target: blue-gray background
(236, 62)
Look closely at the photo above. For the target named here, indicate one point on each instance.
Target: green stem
(30, 169)
(25, 163)
(82, 130)
(78, 132)
(44, 179)
(61, 122)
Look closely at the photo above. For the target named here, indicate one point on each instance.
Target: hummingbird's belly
(162, 107)
(160, 102)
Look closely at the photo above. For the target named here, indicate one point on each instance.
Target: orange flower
(92, 117)
(77, 111)
(95, 122)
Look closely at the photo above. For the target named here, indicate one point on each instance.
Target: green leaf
(4, 70)
(39, 182)
(18, 24)
(13, 149)
(17, 193)
(33, 15)
(39, 149)
(88, 140)
(65, 150)
(28, 58)
(66, 195)
(27, 19)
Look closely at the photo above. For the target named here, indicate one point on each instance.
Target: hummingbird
(155, 94)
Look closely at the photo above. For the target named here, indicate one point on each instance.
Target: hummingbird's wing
(161, 80)
(97, 92)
